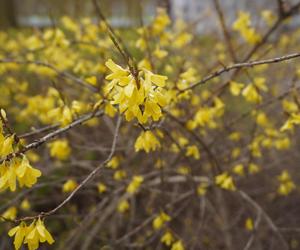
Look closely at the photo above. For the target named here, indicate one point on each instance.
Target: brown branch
(241, 65)
(86, 180)
(225, 30)
(260, 210)
(62, 74)
(51, 135)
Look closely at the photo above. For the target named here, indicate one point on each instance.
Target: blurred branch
(260, 210)
(60, 73)
(86, 180)
(225, 30)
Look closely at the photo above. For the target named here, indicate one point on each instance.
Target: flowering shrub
(164, 138)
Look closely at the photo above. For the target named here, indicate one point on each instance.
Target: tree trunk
(7, 14)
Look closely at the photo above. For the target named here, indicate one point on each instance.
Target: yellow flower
(69, 186)
(25, 205)
(114, 162)
(249, 225)
(92, 80)
(239, 169)
(123, 206)
(18, 170)
(235, 136)
(225, 181)
(202, 188)
(120, 175)
(160, 220)
(286, 185)
(19, 232)
(235, 88)
(290, 107)
(251, 94)
(243, 25)
(6, 145)
(10, 213)
(253, 168)
(161, 21)
(101, 187)
(60, 149)
(193, 151)
(262, 119)
(178, 245)
(37, 233)
(184, 170)
(167, 238)
(146, 141)
(26, 174)
(134, 184)
(137, 97)
(268, 17)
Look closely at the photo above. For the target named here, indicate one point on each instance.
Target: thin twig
(51, 135)
(86, 180)
(242, 65)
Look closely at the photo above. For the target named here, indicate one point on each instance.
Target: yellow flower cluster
(160, 220)
(60, 149)
(69, 186)
(49, 109)
(243, 25)
(31, 235)
(15, 169)
(134, 185)
(225, 181)
(147, 141)
(143, 99)
(206, 116)
(286, 185)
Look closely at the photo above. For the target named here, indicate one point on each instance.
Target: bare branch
(53, 134)
(86, 180)
(241, 65)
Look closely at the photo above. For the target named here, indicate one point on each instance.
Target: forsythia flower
(251, 94)
(17, 170)
(69, 186)
(134, 184)
(235, 88)
(101, 187)
(243, 25)
(193, 151)
(123, 206)
(202, 188)
(31, 235)
(6, 145)
(167, 239)
(146, 141)
(177, 245)
(253, 168)
(143, 99)
(161, 21)
(10, 213)
(114, 162)
(225, 181)
(286, 184)
(25, 205)
(294, 119)
(249, 225)
(160, 220)
(239, 169)
(60, 149)
(63, 115)
(119, 175)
